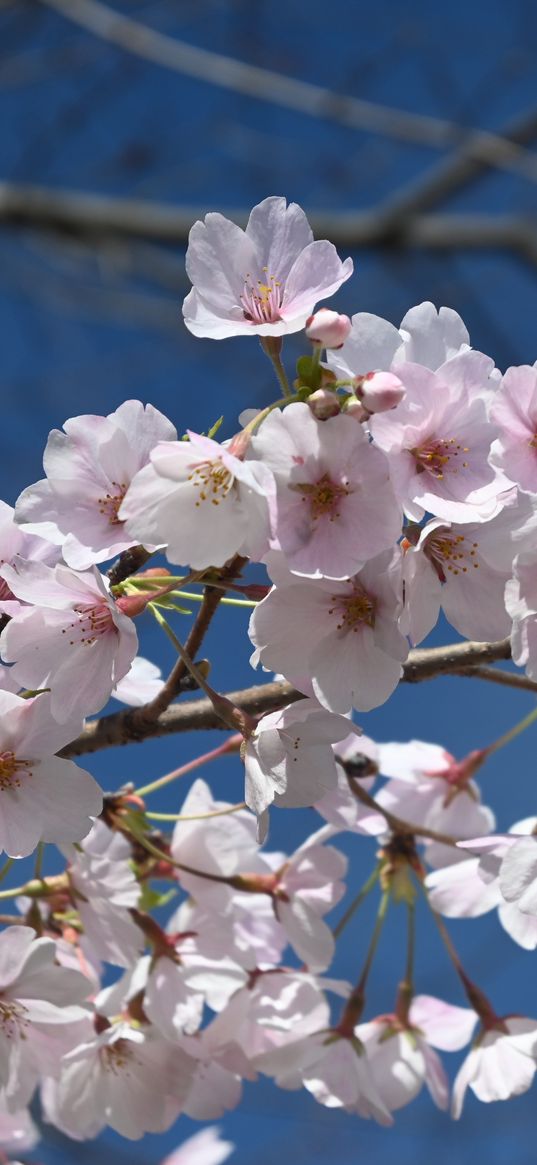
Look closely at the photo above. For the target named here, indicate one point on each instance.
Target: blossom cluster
(394, 478)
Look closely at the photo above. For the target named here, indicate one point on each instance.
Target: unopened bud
(323, 404)
(380, 391)
(327, 328)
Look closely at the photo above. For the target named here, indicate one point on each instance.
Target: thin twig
(397, 824)
(262, 84)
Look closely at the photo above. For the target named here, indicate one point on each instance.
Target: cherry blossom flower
(429, 787)
(265, 280)
(308, 886)
(141, 684)
(335, 508)
(124, 1077)
(501, 1064)
(333, 1068)
(358, 759)
(89, 468)
(34, 782)
(201, 502)
(40, 1013)
(426, 336)
(288, 759)
(104, 889)
(515, 413)
(275, 1008)
(14, 543)
(401, 1055)
(438, 442)
(75, 639)
(343, 635)
(448, 570)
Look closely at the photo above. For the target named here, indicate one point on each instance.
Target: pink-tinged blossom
(288, 758)
(276, 1007)
(510, 860)
(204, 1148)
(89, 468)
(216, 1085)
(126, 1078)
(333, 1068)
(141, 684)
(40, 1013)
(263, 281)
(14, 543)
(438, 442)
(426, 336)
(501, 1063)
(223, 845)
(244, 930)
(401, 1055)
(335, 508)
(515, 413)
(75, 639)
(521, 604)
(308, 886)
(339, 806)
(42, 796)
(328, 329)
(201, 502)
(448, 570)
(429, 787)
(104, 890)
(343, 635)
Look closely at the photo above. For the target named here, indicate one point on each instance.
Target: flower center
(451, 552)
(437, 457)
(92, 622)
(262, 300)
(10, 767)
(12, 1020)
(323, 496)
(109, 503)
(115, 1058)
(213, 481)
(355, 610)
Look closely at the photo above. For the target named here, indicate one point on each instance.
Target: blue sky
(88, 323)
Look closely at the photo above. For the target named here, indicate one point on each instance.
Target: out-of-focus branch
(495, 676)
(120, 728)
(96, 214)
(486, 149)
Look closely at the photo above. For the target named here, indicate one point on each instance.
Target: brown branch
(118, 728)
(147, 715)
(99, 215)
(495, 676)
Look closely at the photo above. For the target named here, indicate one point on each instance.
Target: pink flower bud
(328, 328)
(323, 404)
(380, 391)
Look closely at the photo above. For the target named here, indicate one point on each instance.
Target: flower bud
(328, 328)
(324, 404)
(380, 391)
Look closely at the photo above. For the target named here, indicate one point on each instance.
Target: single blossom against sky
(265, 280)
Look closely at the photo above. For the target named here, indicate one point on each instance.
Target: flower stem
(272, 346)
(357, 901)
(196, 816)
(355, 1003)
(6, 868)
(513, 732)
(232, 744)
